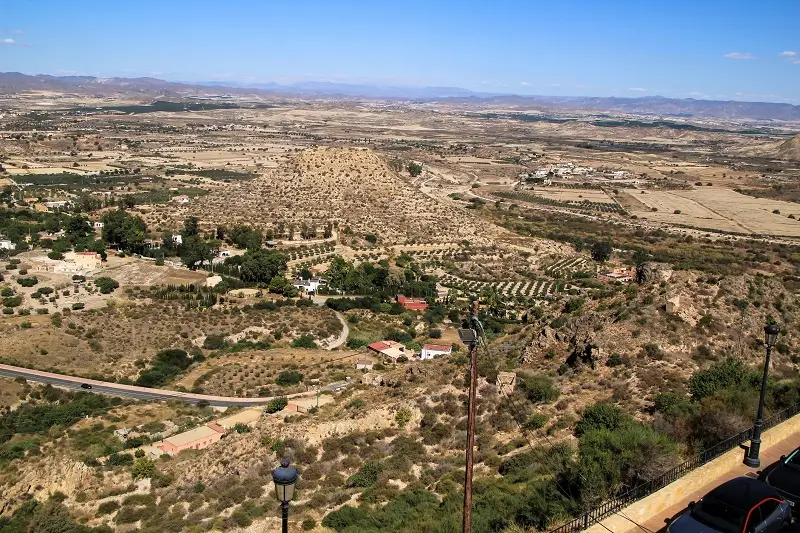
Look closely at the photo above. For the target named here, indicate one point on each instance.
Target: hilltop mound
(790, 149)
(352, 187)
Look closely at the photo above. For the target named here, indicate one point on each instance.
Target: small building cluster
(393, 350)
(412, 304)
(622, 275)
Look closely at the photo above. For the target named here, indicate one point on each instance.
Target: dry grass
(110, 341)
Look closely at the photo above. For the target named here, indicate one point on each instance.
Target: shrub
(12, 301)
(77, 306)
(402, 417)
(275, 405)
(289, 377)
(57, 256)
(143, 469)
(615, 360)
(305, 341)
(728, 373)
(308, 524)
(600, 416)
(366, 476)
(536, 421)
(241, 428)
(435, 334)
(107, 507)
(214, 342)
(119, 459)
(653, 351)
(28, 282)
(539, 388)
(106, 284)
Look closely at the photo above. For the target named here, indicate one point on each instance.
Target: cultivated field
(722, 210)
(573, 195)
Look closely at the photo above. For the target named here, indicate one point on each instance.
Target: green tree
(415, 169)
(601, 251)
(143, 468)
(190, 227)
(194, 251)
(640, 260)
(123, 230)
(78, 228)
(262, 265)
(106, 285)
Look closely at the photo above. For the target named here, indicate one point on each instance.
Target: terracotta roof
(379, 346)
(216, 427)
(438, 347)
(199, 433)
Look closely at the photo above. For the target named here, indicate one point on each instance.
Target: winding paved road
(132, 391)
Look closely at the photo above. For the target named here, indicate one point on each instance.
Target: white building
(98, 225)
(309, 285)
(177, 239)
(429, 351)
(6, 244)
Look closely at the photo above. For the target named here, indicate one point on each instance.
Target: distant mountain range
(12, 82)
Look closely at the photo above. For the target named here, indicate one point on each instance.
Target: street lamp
(285, 477)
(771, 332)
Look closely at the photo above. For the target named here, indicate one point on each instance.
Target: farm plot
(722, 210)
(561, 194)
(565, 266)
(582, 204)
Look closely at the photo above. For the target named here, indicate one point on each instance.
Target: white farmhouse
(429, 351)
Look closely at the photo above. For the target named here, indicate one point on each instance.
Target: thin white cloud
(524, 83)
(788, 53)
(17, 32)
(637, 90)
(8, 40)
(740, 55)
(796, 61)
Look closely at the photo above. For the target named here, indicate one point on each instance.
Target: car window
(719, 515)
(760, 514)
(793, 459)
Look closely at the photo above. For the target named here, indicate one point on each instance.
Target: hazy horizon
(710, 50)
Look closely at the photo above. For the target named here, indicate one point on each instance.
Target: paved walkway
(652, 511)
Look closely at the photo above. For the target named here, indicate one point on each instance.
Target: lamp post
(771, 332)
(285, 477)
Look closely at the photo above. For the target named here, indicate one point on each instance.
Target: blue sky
(733, 49)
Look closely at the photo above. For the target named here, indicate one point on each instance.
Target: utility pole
(470, 338)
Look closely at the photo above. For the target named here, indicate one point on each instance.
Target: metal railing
(655, 484)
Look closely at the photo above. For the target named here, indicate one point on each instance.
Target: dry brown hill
(351, 186)
(790, 149)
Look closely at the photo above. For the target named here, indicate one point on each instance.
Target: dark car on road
(85, 386)
(784, 475)
(741, 505)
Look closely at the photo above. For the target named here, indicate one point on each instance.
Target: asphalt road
(130, 391)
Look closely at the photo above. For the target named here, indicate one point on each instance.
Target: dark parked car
(784, 475)
(741, 505)
(85, 386)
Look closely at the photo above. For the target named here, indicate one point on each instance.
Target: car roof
(744, 492)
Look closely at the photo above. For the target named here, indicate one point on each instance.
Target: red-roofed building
(412, 304)
(429, 351)
(391, 349)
